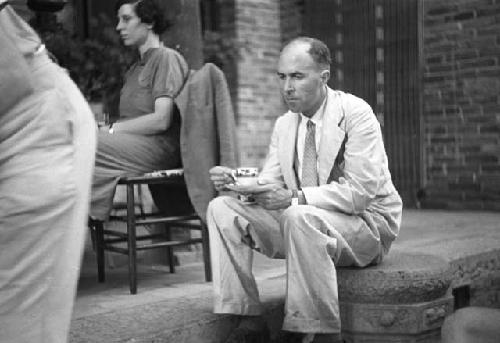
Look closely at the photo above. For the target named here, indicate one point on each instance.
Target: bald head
(318, 50)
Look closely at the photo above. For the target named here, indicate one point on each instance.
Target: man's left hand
(274, 199)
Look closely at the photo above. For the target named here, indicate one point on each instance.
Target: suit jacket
(365, 185)
(208, 135)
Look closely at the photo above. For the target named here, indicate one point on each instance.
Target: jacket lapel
(287, 149)
(331, 137)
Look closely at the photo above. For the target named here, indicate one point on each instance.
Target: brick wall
(257, 102)
(261, 27)
(462, 103)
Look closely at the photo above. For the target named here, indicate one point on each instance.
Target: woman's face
(132, 30)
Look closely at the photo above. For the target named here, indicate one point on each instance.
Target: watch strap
(295, 197)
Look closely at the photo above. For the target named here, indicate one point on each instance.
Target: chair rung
(115, 233)
(168, 244)
(116, 249)
(172, 219)
(124, 238)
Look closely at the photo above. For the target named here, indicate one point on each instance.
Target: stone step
(168, 307)
(179, 317)
(178, 307)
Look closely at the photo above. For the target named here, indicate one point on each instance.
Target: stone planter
(405, 299)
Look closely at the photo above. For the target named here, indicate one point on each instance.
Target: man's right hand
(221, 176)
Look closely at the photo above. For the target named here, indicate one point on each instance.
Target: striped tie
(309, 161)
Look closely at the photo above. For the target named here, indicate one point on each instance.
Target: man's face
(302, 82)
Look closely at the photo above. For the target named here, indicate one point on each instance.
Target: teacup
(245, 176)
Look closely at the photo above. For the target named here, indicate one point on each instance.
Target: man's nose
(288, 86)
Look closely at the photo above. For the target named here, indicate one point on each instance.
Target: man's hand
(274, 199)
(221, 176)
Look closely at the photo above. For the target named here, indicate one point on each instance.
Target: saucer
(249, 189)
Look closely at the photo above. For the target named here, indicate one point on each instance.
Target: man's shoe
(298, 337)
(250, 330)
(327, 338)
(289, 337)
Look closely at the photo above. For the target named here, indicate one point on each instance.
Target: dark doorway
(376, 46)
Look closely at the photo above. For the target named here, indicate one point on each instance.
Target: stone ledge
(400, 319)
(469, 242)
(187, 319)
(403, 299)
(400, 278)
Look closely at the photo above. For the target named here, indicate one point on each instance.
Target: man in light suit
(324, 199)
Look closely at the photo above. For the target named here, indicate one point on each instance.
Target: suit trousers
(313, 241)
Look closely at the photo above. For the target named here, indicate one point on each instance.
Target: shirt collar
(147, 55)
(317, 118)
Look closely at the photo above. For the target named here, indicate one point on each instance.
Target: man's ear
(325, 76)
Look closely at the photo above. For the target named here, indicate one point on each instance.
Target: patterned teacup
(245, 176)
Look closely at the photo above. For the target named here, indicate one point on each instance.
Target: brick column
(258, 103)
(261, 27)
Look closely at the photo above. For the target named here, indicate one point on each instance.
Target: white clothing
(349, 220)
(47, 147)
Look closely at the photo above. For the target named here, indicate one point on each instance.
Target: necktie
(309, 160)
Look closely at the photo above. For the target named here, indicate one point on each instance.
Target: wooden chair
(207, 138)
(112, 240)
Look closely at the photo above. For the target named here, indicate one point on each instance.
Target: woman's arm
(149, 124)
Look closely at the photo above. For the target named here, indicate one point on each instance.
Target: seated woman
(146, 135)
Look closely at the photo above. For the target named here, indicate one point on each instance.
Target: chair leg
(170, 250)
(99, 245)
(140, 202)
(131, 242)
(206, 251)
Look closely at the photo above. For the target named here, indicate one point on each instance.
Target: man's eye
(281, 76)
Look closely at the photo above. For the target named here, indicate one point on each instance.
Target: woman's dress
(160, 73)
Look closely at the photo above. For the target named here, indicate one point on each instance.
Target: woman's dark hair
(149, 12)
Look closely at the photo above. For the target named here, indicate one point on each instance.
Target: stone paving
(177, 307)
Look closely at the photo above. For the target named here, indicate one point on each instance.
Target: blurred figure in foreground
(47, 148)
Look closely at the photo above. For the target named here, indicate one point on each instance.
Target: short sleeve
(167, 73)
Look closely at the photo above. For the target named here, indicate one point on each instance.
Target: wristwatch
(295, 197)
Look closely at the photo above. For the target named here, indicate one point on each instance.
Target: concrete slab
(177, 307)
